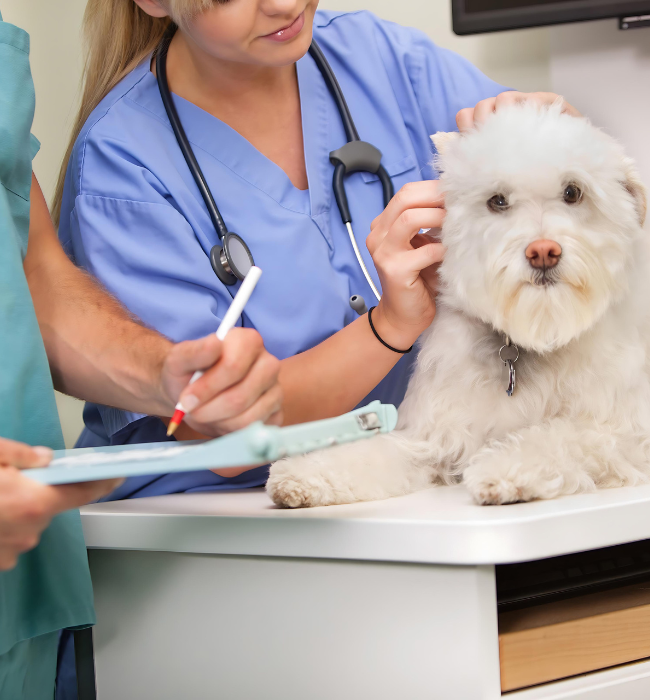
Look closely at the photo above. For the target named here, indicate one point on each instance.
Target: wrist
(160, 389)
(399, 335)
(152, 385)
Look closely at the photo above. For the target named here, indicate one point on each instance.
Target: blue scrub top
(133, 216)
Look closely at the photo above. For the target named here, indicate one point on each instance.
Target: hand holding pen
(253, 384)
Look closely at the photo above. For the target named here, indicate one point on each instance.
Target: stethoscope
(231, 259)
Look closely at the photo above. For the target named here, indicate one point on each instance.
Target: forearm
(333, 377)
(96, 351)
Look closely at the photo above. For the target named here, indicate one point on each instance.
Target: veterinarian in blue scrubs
(132, 215)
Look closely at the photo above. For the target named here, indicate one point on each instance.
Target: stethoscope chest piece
(233, 260)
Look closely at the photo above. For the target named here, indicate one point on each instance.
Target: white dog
(545, 246)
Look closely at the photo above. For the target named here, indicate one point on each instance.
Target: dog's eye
(498, 203)
(572, 194)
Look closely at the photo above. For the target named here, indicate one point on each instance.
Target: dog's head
(543, 215)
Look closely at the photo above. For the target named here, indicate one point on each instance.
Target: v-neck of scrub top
(244, 160)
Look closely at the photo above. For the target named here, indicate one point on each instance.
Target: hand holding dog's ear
(471, 117)
(407, 261)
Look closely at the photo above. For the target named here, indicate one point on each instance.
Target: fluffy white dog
(545, 246)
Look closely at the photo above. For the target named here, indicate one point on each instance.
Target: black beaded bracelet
(383, 342)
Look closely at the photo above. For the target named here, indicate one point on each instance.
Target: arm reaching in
(100, 353)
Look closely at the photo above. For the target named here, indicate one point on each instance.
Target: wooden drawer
(565, 638)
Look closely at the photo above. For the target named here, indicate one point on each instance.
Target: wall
(518, 59)
(605, 72)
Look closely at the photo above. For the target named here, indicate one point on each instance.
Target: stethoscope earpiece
(358, 304)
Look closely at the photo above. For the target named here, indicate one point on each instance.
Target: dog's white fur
(580, 415)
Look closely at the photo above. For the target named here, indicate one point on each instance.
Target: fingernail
(189, 402)
(44, 454)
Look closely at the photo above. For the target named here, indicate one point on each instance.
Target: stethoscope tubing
(340, 169)
(351, 134)
(333, 86)
(181, 136)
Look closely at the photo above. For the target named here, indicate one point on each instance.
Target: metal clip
(369, 421)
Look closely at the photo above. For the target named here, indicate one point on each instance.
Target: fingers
(241, 387)
(265, 409)
(427, 255)
(276, 418)
(484, 109)
(24, 513)
(414, 195)
(421, 239)
(8, 558)
(69, 496)
(192, 355)
(239, 352)
(17, 454)
(471, 117)
(465, 119)
(540, 98)
(239, 398)
(407, 226)
(27, 507)
(402, 269)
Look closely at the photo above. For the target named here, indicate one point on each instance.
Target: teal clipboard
(256, 444)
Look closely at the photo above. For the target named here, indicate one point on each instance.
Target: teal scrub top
(50, 587)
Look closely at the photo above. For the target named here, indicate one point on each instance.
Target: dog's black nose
(543, 254)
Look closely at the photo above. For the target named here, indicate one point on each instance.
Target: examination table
(222, 595)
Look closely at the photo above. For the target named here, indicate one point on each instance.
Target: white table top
(440, 525)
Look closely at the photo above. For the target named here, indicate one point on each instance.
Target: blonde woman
(261, 122)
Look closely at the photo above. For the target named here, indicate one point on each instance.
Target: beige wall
(519, 59)
(605, 72)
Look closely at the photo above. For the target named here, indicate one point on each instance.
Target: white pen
(229, 320)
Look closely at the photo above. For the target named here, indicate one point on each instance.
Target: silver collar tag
(508, 354)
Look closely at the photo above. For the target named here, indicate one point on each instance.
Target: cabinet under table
(223, 595)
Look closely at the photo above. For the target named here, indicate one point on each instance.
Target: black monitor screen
(476, 16)
(488, 5)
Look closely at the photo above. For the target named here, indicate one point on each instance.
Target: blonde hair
(117, 35)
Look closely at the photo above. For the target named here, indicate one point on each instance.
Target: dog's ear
(637, 189)
(442, 139)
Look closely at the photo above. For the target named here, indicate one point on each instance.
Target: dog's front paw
(496, 477)
(491, 489)
(294, 483)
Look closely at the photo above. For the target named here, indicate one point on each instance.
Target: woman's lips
(289, 32)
